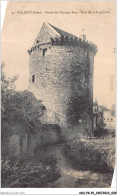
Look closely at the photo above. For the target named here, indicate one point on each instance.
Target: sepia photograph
(58, 94)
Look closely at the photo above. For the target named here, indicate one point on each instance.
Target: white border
(58, 190)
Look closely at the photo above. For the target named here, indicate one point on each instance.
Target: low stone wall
(19, 144)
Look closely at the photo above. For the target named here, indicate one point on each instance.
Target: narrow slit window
(44, 51)
(33, 78)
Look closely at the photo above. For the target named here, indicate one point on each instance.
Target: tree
(21, 107)
(7, 89)
(25, 107)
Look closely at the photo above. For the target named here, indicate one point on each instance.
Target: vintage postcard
(58, 94)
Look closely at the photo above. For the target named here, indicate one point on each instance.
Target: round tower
(61, 74)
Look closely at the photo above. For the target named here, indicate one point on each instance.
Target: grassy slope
(95, 155)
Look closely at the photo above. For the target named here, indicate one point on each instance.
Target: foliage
(7, 89)
(94, 155)
(18, 106)
(26, 173)
(24, 106)
(95, 180)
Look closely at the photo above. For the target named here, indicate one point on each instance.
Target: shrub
(21, 173)
(91, 155)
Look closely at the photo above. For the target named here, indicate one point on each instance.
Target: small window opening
(111, 119)
(33, 78)
(44, 51)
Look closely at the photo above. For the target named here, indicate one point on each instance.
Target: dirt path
(69, 176)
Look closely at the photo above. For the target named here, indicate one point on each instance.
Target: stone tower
(61, 74)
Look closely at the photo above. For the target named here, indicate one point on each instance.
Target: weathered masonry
(61, 74)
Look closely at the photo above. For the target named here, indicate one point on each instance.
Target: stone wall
(19, 144)
(64, 81)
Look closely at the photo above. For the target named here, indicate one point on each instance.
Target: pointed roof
(45, 34)
(103, 108)
(49, 31)
(61, 32)
(50, 34)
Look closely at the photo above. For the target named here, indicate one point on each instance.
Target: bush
(98, 156)
(22, 173)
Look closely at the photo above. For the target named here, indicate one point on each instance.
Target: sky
(20, 29)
